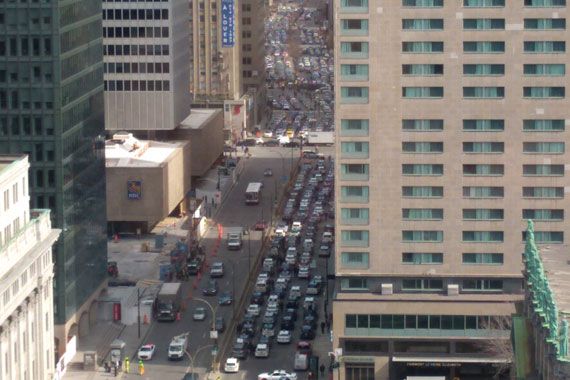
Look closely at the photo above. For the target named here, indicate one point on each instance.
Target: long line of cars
(284, 303)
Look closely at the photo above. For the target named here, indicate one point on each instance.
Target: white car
(262, 350)
(284, 337)
(199, 314)
(278, 374)
(146, 352)
(253, 309)
(303, 272)
(232, 365)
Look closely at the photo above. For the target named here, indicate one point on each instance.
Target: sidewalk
(142, 266)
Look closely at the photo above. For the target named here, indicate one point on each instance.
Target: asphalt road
(233, 213)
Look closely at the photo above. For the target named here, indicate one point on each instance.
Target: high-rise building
(146, 64)
(26, 278)
(227, 61)
(51, 102)
(451, 127)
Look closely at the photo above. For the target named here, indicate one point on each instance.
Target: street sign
(214, 351)
(213, 334)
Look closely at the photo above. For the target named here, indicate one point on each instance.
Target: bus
(253, 193)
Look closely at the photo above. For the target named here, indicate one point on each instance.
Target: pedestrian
(322, 369)
(115, 369)
(141, 368)
(328, 322)
(127, 365)
(323, 325)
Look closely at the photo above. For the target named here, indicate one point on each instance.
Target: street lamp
(190, 368)
(213, 326)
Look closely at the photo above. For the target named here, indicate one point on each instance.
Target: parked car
(284, 337)
(262, 350)
(232, 365)
(278, 374)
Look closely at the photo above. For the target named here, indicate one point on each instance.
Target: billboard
(134, 189)
(228, 27)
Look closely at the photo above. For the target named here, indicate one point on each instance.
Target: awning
(448, 359)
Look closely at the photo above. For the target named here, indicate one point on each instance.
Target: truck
(168, 301)
(177, 347)
(320, 138)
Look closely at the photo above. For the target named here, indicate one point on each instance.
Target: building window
(422, 92)
(422, 24)
(354, 216)
(543, 147)
(483, 258)
(354, 238)
(479, 285)
(483, 147)
(355, 260)
(419, 258)
(354, 172)
(354, 72)
(545, 69)
(543, 170)
(360, 371)
(483, 192)
(354, 284)
(422, 3)
(483, 3)
(543, 192)
(354, 127)
(354, 194)
(418, 284)
(422, 69)
(544, 3)
(545, 23)
(483, 236)
(422, 47)
(422, 125)
(543, 125)
(422, 214)
(422, 147)
(353, 27)
(483, 125)
(361, 5)
(545, 47)
(545, 237)
(483, 24)
(422, 169)
(422, 191)
(422, 236)
(483, 214)
(544, 92)
(484, 92)
(354, 50)
(543, 214)
(484, 170)
(354, 149)
(484, 69)
(485, 47)
(354, 95)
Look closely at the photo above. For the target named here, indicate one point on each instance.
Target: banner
(228, 29)
(134, 189)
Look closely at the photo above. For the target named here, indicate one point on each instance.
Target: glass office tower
(51, 108)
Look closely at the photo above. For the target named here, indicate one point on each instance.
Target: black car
(287, 323)
(307, 332)
(310, 320)
(193, 267)
(211, 289)
(220, 324)
(292, 304)
(257, 298)
(292, 312)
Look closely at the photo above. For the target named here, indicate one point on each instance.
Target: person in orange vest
(141, 368)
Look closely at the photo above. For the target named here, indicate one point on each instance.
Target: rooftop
(8, 159)
(199, 118)
(124, 150)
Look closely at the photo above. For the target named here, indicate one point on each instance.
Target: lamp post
(213, 324)
(190, 368)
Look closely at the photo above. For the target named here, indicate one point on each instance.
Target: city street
(233, 213)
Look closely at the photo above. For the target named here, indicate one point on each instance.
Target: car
(325, 250)
(194, 266)
(307, 332)
(304, 347)
(220, 324)
(284, 337)
(268, 329)
(257, 298)
(268, 172)
(253, 309)
(232, 365)
(240, 348)
(146, 352)
(278, 374)
(303, 272)
(211, 289)
(261, 351)
(217, 269)
(199, 314)
(269, 317)
(260, 225)
(225, 299)
(234, 242)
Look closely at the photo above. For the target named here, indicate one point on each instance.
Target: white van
(301, 362)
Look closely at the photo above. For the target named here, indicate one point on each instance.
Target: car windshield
(143, 349)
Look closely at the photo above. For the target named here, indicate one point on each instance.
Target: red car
(260, 225)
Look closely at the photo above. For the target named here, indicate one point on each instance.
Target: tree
(498, 347)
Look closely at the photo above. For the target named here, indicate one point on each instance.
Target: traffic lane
(233, 210)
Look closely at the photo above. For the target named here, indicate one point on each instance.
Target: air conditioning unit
(387, 289)
(452, 290)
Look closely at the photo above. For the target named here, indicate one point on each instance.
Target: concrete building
(228, 71)
(451, 128)
(147, 82)
(26, 278)
(51, 108)
(146, 181)
(204, 128)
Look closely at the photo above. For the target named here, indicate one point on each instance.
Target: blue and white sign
(228, 27)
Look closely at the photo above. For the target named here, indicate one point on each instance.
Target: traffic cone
(145, 320)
